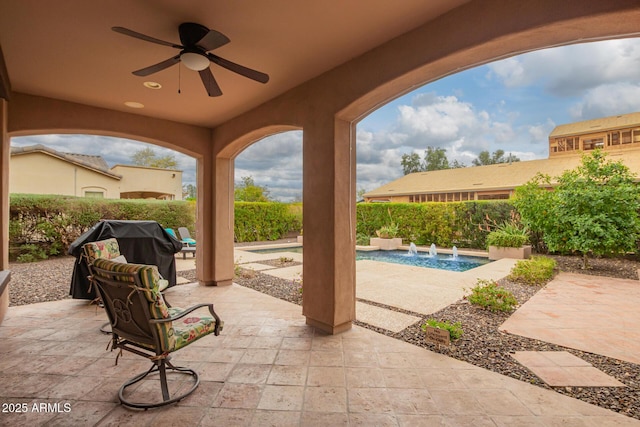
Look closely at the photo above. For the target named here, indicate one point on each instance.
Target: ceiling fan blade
(236, 68)
(131, 33)
(157, 67)
(209, 82)
(213, 40)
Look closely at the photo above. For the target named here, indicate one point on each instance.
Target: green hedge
(261, 221)
(462, 224)
(41, 226)
(45, 225)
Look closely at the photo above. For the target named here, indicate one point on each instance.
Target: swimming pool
(440, 261)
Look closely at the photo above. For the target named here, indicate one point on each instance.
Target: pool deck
(417, 289)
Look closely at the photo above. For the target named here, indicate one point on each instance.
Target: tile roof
(492, 177)
(96, 163)
(595, 125)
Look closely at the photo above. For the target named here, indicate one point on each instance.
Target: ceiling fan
(197, 40)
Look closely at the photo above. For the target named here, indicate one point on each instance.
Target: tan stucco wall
(152, 180)
(38, 173)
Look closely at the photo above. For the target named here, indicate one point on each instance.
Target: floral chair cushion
(191, 327)
(105, 249)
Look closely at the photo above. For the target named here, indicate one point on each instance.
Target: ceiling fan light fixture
(194, 61)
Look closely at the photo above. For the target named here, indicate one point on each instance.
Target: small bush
(534, 271)
(491, 296)
(362, 239)
(31, 253)
(389, 231)
(455, 329)
(508, 235)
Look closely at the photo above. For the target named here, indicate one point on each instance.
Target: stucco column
(214, 222)
(329, 224)
(5, 155)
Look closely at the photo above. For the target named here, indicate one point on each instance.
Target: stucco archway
(327, 107)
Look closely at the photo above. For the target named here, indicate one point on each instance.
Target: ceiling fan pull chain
(179, 75)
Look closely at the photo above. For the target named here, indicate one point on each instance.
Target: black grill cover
(141, 242)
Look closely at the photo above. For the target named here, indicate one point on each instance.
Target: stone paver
(590, 313)
(383, 318)
(561, 368)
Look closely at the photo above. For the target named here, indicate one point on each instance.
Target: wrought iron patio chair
(141, 323)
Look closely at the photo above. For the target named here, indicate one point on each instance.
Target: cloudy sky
(511, 105)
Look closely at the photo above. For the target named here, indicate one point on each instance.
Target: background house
(42, 170)
(618, 135)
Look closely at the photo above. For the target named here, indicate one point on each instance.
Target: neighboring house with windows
(42, 170)
(617, 135)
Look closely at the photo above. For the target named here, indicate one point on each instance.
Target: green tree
(189, 192)
(248, 191)
(592, 211)
(148, 157)
(411, 163)
(435, 159)
(484, 158)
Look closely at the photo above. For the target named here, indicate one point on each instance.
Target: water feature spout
(432, 250)
(413, 250)
(455, 252)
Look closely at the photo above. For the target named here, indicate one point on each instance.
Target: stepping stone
(382, 318)
(561, 368)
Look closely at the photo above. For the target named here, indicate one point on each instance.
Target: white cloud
(274, 162)
(608, 100)
(570, 70)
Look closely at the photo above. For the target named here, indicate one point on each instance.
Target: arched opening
(274, 163)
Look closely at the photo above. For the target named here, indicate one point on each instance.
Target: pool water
(440, 261)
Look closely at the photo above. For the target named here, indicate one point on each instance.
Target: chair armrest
(219, 322)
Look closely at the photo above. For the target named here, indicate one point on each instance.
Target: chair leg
(161, 368)
(163, 380)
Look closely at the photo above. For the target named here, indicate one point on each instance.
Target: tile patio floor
(267, 368)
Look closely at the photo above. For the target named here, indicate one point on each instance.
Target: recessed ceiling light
(133, 104)
(152, 85)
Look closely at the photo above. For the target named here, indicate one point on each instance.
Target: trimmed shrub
(534, 271)
(446, 224)
(257, 221)
(491, 296)
(45, 225)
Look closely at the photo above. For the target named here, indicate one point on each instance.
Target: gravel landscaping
(482, 344)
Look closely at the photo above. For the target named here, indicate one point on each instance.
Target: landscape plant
(593, 210)
(536, 270)
(455, 329)
(445, 224)
(508, 235)
(491, 296)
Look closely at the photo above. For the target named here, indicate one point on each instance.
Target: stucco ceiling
(67, 50)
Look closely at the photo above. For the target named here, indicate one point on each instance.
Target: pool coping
(465, 252)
